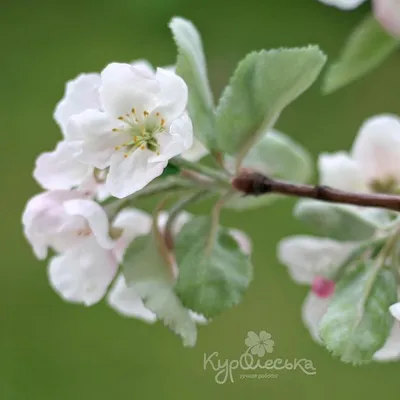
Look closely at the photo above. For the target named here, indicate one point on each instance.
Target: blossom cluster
(371, 166)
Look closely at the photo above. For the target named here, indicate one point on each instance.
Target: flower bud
(323, 287)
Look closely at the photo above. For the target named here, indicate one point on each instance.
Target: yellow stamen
(133, 111)
(145, 113)
(157, 114)
(126, 155)
(115, 130)
(162, 122)
(121, 118)
(117, 147)
(142, 147)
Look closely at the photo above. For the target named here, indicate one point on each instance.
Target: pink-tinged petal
(173, 95)
(377, 148)
(133, 223)
(81, 93)
(128, 175)
(387, 12)
(97, 141)
(124, 87)
(343, 4)
(93, 188)
(391, 349)
(313, 310)
(308, 257)
(196, 152)
(96, 218)
(145, 68)
(340, 171)
(60, 169)
(83, 274)
(395, 310)
(127, 302)
(177, 140)
(242, 240)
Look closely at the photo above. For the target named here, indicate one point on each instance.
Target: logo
(255, 359)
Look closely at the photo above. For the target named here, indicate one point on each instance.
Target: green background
(53, 350)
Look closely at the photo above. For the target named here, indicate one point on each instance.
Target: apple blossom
(343, 4)
(372, 164)
(387, 12)
(143, 125)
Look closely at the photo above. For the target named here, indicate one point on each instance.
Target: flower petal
(96, 218)
(242, 240)
(377, 148)
(387, 12)
(124, 87)
(395, 310)
(83, 274)
(93, 136)
(198, 318)
(308, 257)
(340, 171)
(313, 310)
(176, 141)
(81, 93)
(343, 4)
(173, 95)
(391, 349)
(196, 152)
(60, 169)
(129, 175)
(134, 223)
(145, 68)
(127, 302)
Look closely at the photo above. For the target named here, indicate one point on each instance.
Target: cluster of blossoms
(119, 129)
(371, 166)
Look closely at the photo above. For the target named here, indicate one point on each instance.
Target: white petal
(93, 188)
(176, 141)
(198, 318)
(242, 239)
(145, 68)
(130, 174)
(83, 274)
(307, 257)
(60, 169)
(81, 93)
(377, 148)
(391, 349)
(387, 12)
(96, 218)
(125, 87)
(93, 135)
(395, 310)
(343, 4)
(338, 170)
(313, 310)
(134, 223)
(196, 152)
(173, 95)
(127, 302)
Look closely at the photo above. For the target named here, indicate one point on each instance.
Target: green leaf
(213, 272)
(145, 271)
(366, 48)
(335, 221)
(169, 170)
(358, 320)
(191, 66)
(263, 84)
(277, 156)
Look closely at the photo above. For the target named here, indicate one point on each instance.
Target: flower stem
(202, 169)
(256, 184)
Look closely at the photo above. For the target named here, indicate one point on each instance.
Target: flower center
(387, 186)
(143, 129)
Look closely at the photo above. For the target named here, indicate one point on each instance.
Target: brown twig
(256, 184)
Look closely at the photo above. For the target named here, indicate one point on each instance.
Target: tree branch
(256, 184)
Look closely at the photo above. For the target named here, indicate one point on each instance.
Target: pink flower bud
(387, 13)
(323, 287)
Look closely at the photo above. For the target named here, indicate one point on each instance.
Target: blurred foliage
(53, 350)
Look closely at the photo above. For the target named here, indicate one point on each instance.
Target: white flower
(307, 258)
(343, 4)
(83, 273)
(395, 310)
(62, 220)
(387, 12)
(143, 125)
(372, 164)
